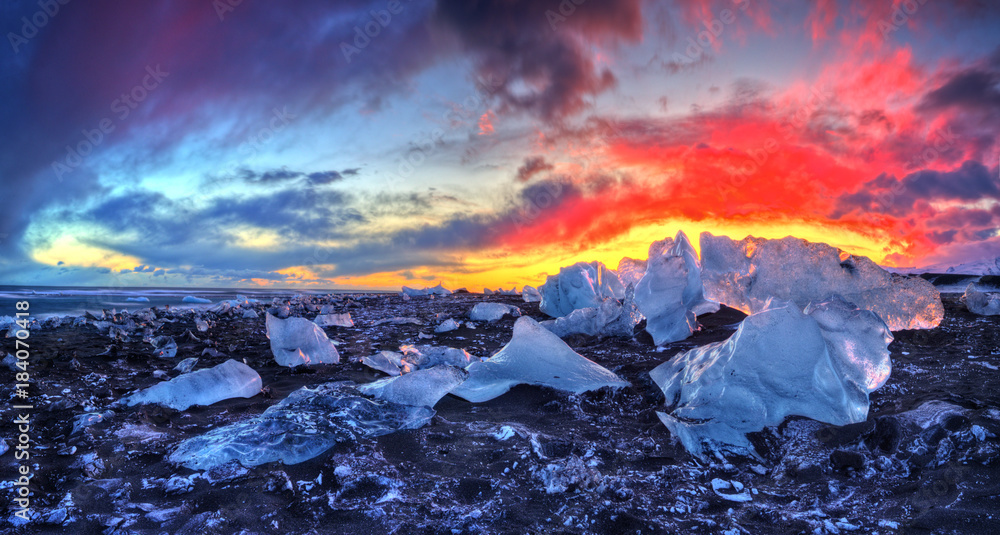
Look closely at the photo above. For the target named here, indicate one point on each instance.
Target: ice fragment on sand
(733, 491)
(446, 326)
(611, 318)
(534, 356)
(980, 302)
(307, 423)
(334, 320)
(389, 362)
(492, 311)
(164, 347)
(437, 290)
(137, 299)
(250, 314)
(186, 365)
(745, 274)
(230, 379)
(197, 300)
(530, 294)
(201, 324)
(399, 321)
(298, 341)
(821, 364)
(421, 388)
(581, 285)
(670, 293)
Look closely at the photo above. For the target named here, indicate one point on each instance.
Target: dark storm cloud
(973, 88)
(531, 167)
(972, 181)
(58, 87)
(285, 175)
(536, 53)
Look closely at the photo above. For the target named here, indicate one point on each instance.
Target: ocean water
(45, 301)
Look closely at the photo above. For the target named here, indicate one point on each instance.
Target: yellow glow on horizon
(72, 253)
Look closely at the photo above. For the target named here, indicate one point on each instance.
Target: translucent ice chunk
(745, 274)
(307, 423)
(608, 319)
(437, 290)
(980, 302)
(446, 326)
(297, 341)
(530, 294)
(334, 320)
(250, 314)
(492, 311)
(186, 365)
(419, 388)
(534, 356)
(388, 362)
(164, 347)
(197, 300)
(581, 285)
(230, 379)
(137, 299)
(424, 356)
(670, 293)
(630, 270)
(821, 364)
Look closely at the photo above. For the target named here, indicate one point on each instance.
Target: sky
(475, 143)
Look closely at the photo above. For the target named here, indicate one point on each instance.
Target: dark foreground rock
(534, 460)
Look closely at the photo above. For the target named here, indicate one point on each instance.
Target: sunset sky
(484, 143)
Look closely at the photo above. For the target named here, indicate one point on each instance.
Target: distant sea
(48, 301)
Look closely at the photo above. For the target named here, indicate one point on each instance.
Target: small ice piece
(230, 379)
(609, 319)
(195, 300)
(389, 362)
(186, 365)
(581, 285)
(420, 388)
(731, 490)
(201, 324)
(446, 326)
(821, 364)
(534, 356)
(305, 424)
(399, 321)
(250, 314)
(137, 299)
(492, 311)
(670, 293)
(10, 361)
(3, 447)
(745, 274)
(437, 290)
(298, 341)
(980, 302)
(530, 294)
(504, 433)
(164, 347)
(419, 357)
(334, 320)
(91, 418)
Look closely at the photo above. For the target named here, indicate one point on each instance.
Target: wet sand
(534, 460)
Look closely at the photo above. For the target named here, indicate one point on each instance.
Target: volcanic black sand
(534, 460)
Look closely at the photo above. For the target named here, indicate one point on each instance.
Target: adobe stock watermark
(224, 7)
(363, 36)
(30, 27)
(711, 34)
(256, 141)
(121, 108)
(899, 17)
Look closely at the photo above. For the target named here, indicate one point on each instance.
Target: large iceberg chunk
(611, 318)
(745, 274)
(297, 341)
(422, 388)
(307, 423)
(533, 356)
(980, 302)
(230, 379)
(670, 293)
(821, 364)
(581, 285)
(492, 311)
